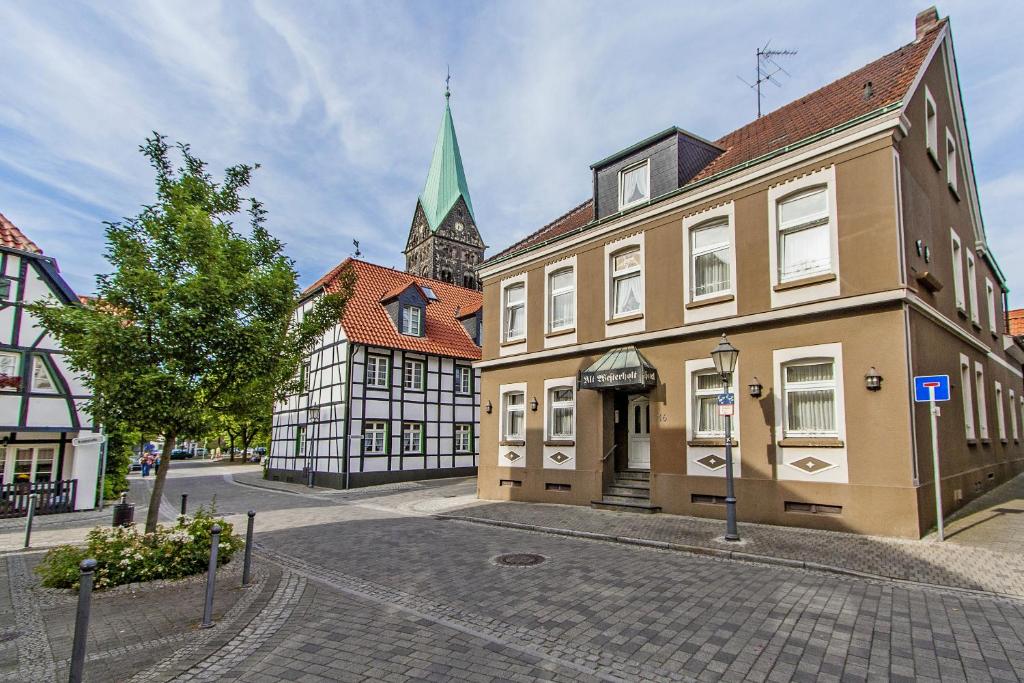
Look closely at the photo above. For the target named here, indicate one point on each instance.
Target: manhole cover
(519, 559)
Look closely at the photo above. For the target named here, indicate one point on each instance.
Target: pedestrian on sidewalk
(147, 463)
(156, 466)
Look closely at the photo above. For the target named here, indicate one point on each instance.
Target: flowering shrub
(127, 555)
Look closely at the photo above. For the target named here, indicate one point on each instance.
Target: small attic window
(429, 292)
(635, 184)
(412, 320)
(869, 90)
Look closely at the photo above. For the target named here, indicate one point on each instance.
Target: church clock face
(459, 227)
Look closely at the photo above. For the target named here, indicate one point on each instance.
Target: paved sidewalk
(985, 551)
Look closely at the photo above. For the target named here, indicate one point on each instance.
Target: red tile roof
(13, 238)
(1017, 322)
(830, 106)
(366, 321)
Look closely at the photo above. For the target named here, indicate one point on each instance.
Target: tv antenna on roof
(768, 70)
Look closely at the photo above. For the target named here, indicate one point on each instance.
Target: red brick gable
(1017, 322)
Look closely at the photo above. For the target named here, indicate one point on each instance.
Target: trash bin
(124, 512)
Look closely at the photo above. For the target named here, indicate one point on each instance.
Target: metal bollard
(184, 504)
(31, 515)
(87, 567)
(248, 549)
(211, 576)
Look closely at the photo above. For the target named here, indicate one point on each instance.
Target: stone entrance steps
(630, 491)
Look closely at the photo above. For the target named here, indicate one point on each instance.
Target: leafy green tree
(194, 313)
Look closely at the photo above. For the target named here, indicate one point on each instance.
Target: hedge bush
(127, 555)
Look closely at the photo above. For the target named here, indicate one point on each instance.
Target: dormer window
(412, 320)
(634, 184)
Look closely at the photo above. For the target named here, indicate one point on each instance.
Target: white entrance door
(639, 433)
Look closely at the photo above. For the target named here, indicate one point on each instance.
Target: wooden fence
(53, 497)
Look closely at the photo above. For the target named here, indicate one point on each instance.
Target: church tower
(444, 242)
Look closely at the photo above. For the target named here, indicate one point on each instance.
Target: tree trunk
(231, 447)
(153, 514)
(247, 435)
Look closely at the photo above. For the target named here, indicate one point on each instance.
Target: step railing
(52, 497)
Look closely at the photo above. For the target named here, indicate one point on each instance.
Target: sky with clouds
(340, 104)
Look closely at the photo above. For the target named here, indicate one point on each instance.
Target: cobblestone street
(372, 585)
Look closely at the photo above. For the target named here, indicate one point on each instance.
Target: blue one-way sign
(924, 385)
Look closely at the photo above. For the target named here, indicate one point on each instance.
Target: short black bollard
(211, 576)
(124, 512)
(31, 516)
(248, 549)
(184, 504)
(87, 567)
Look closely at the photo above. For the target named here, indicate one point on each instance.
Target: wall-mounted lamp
(534, 404)
(755, 389)
(872, 380)
(488, 408)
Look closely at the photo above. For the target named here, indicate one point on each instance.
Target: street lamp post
(725, 356)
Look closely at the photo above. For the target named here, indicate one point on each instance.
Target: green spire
(446, 180)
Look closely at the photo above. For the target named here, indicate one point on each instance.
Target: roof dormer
(406, 305)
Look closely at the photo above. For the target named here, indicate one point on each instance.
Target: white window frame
(408, 428)
(552, 404)
(1013, 416)
(951, 162)
(505, 308)
(990, 294)
(972, 287)
(726, 246)
(375, 378)
(931, 125)
(979, 387)
(697, 393)
(646, 164)
(552, 293)
(504, 406)
(818, 220)
(463, 430)
(1000, 416)
(627, 273)
(419, 378)
(41, 371)
(966, 382)
(958, 270)
(13, 359)
(463, 372)
(832, 384)
(372, 431)
(412, 320)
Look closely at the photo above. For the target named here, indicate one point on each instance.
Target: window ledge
(1003, 440)
(414, 391)
(810, 442)
(955, 192)
(725, 298)
(624, 319)
(961, 311)
(560, 442)
(986, 441)
(512, 442)
(804, 282)
(934, 156)
(711, 442)
(514, 342)
(976, 325)
(929, 281)
(972, 442)
(561, 332)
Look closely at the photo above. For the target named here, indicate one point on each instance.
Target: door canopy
(623, 368)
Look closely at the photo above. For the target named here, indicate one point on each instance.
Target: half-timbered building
(46, 441)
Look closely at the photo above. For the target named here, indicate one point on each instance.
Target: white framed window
(514, 409)
(514, 313)
(1000, 417)
(635, 184)
(809, 401)
(972, 287)
(979, 387)
(931, 125)
(377, 370)
(42, 380)
(463, 438)
(463, 379)
(5, 289)
(375, 438)
(1013, 416)
(951, 161)
(707, 423)
(412, 437)
(562, 413)
(968, 401)
(561, 299)
(958, 271)
(626, 287)
(412, 374)
(9, 369)
(35, 464)
(710, 259)
(300, 441)
(412, 320)
(805, 237)
(990, 296)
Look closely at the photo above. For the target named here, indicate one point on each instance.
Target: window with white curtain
(951, 160)
(412, 374)
(412, 437)
(626, 290)
(958, 272)
(42, 380)
(376, 370)
(710, 259)
(562, 405)
(561, 300)
(805, 238)
(968, 401)
(412, 321)
(707, 386)
(972, 287)
(9, 367)
(931, 125)
(463, 438)
(1000, 417)
(515, 311)
(979, 386)
(634, 184)
(375, 436)
(810, 398)
(515, 416)
(1013, 416)
(463, 379)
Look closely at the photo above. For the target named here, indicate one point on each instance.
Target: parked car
(180, 454)
(199, 452)
(135, 464)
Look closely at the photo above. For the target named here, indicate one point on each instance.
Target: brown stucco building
(834, 240)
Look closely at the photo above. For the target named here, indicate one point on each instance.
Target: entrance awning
(622, 368)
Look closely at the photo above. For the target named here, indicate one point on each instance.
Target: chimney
(925, 21)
